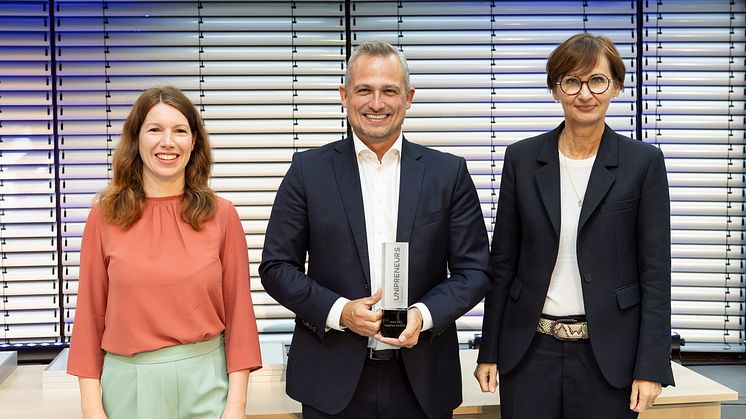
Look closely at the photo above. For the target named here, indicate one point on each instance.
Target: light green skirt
(178, 382)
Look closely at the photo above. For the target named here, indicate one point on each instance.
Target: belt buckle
(556, 326)
(381, 355)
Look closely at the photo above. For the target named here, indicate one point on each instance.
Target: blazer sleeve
(654, 270)
(86, 358)
(284, 256)
(503, 261)
(468, 255)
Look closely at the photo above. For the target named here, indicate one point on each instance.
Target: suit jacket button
(587, 278)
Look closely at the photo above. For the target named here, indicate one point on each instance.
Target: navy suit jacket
(319, 211)
(623, 251)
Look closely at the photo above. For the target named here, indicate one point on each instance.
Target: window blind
(693, 109)
(29, 290)
(479, 73)
(264, 76)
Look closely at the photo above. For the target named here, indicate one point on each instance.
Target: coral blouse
(161, 283)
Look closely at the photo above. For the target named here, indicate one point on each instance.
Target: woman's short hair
(580, 54)
(123, 200)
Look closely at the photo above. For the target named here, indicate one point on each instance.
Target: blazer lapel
(348, 182)
(548, 177)
(601, 178)
(410, 184)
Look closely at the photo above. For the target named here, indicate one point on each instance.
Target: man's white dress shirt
(379, 182)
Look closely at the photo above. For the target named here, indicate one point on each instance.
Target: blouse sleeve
(86, 357)
(241, 335)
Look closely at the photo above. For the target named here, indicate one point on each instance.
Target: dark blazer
(623, 251)
(319, 210)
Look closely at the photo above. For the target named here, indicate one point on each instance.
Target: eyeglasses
(597, 84)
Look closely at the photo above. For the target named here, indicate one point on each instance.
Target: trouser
(383, 392)
(560, 380)
(177, 382)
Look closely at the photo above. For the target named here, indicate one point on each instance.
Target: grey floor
(732, 376)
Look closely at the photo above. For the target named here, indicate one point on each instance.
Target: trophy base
(394, 322)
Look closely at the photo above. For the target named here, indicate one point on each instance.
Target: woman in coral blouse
(164, 325)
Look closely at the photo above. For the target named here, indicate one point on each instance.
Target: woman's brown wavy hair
(123, 200)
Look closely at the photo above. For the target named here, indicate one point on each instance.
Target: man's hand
(358, 317)
(410, 335)
(486, 375)
(643, 394)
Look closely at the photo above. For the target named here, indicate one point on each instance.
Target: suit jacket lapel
(601, 178)
(410, 184)
(348, 182)
(548, 177)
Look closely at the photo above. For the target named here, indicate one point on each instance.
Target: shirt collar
(361, 148)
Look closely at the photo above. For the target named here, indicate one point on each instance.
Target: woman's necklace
(567, 173)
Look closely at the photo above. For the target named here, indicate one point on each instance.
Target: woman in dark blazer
(578, 318)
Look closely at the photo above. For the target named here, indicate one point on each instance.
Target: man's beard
(375, 136)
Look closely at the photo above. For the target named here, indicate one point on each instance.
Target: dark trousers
(560, 380)
(383, 392)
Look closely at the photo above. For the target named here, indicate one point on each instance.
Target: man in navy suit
(338, 204)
